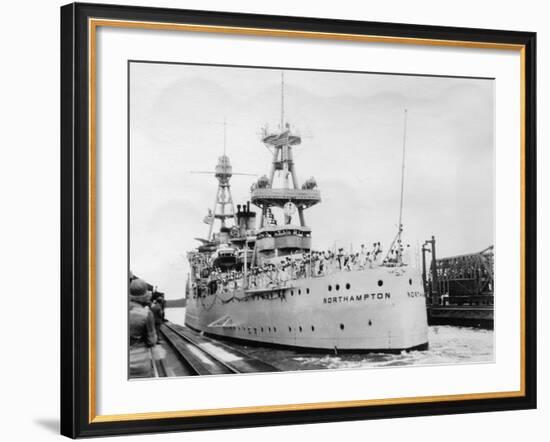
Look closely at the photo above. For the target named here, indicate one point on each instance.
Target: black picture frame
(76, 417)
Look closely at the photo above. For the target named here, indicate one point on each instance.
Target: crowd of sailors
(277, 272)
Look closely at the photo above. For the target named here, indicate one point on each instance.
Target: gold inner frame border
(93, 24)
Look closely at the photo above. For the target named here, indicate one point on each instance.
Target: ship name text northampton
(365, 297)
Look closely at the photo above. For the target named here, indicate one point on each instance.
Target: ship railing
(279, 278)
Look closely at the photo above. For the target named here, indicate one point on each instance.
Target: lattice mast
(281, 144)
(223, 208)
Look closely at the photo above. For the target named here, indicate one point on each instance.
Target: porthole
(269, 329)
(300, 328)
(275, 329)
(370, 322)
(410, 281)
(299, 291)
(341, 326)
(337, 287)
(289, 329)
(330, 288)
(292, 293)
(348, 286)
(380, 283)
(312, 328)
(307, 291)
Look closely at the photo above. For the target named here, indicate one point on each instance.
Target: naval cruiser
(260, 281)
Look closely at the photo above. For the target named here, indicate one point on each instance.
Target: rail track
(160, 370)
(204, 356)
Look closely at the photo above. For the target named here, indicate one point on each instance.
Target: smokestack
(238, 208)
(248, 206)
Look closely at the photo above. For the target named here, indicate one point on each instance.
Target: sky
(352, 129)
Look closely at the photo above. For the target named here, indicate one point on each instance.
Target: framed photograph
(273, 220)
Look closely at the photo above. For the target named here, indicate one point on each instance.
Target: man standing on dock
(142, 330)
(158, 314)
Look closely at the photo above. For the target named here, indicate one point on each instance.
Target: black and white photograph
(286, 219)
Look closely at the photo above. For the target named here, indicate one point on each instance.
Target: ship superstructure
(263, 282)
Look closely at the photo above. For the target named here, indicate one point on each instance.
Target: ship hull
(379, 309)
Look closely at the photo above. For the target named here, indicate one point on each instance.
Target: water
(447, 345)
